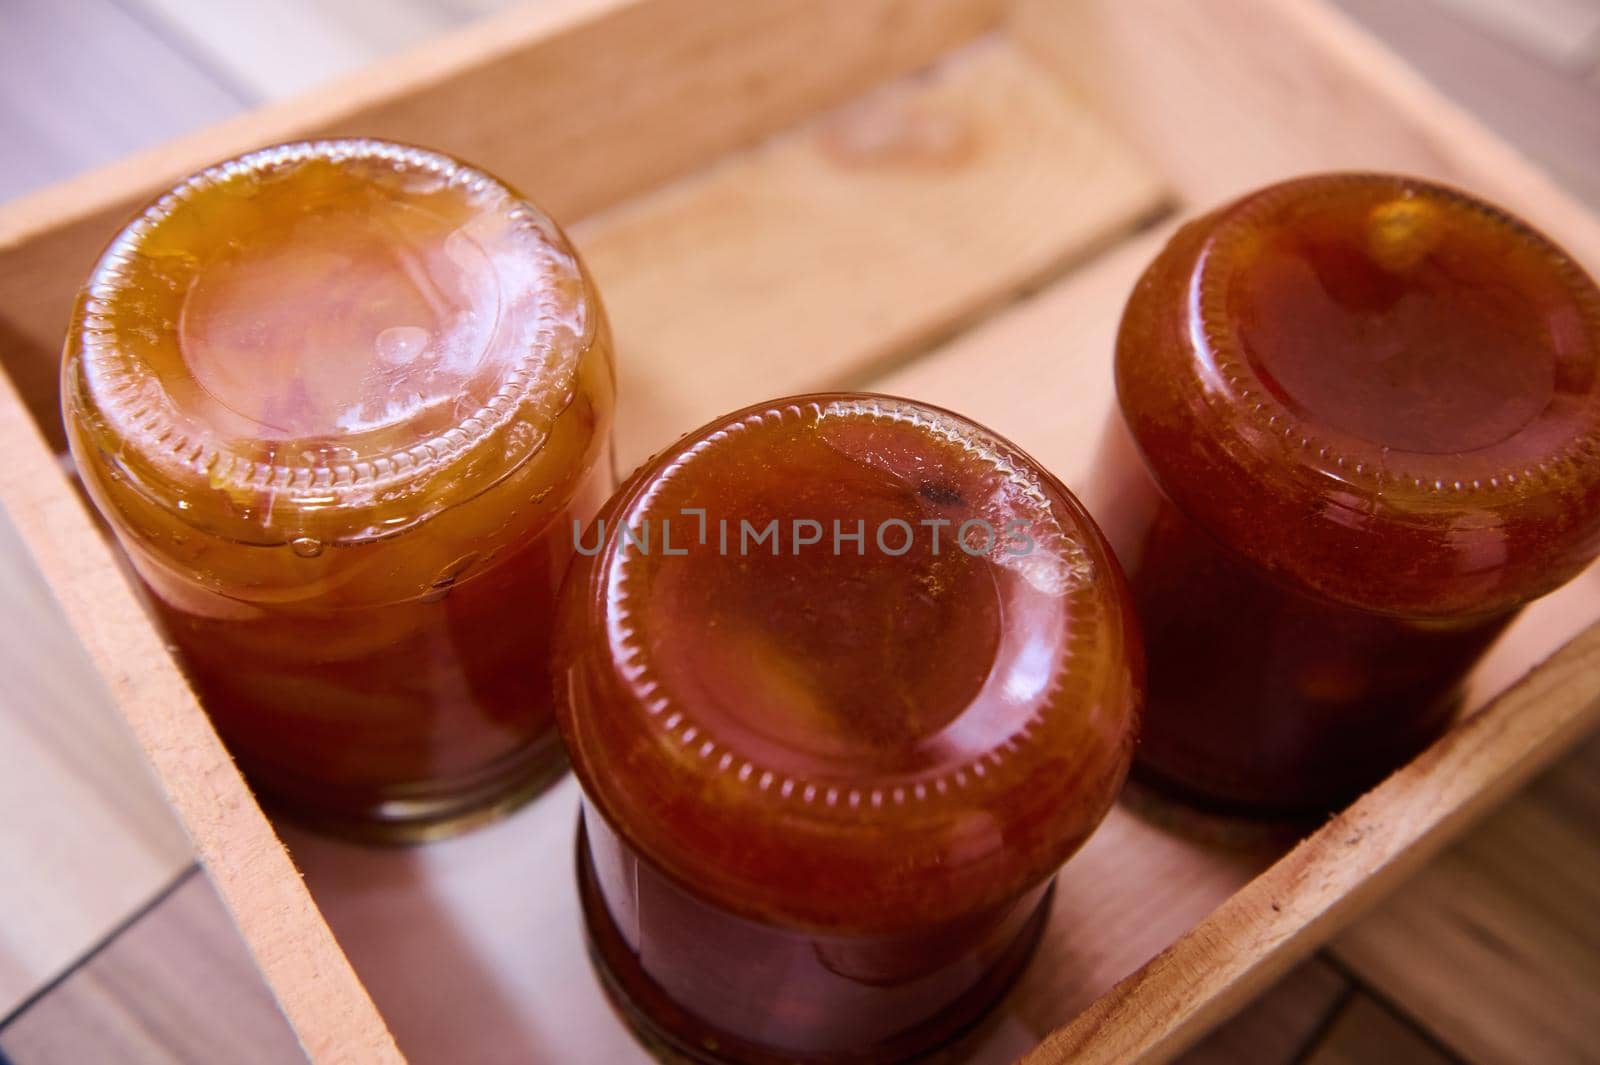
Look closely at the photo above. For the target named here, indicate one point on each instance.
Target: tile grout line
(1396, 1009)
(100, 945)
(1319, 1033)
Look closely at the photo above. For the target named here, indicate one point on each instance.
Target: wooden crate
(947, 199)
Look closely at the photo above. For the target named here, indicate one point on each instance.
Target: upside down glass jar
(1362, 429)
(846, 679)
(338, 401)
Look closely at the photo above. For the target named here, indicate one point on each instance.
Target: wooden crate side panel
(581, 103)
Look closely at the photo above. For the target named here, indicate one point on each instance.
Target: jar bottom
(402, 816)
(674, 1036)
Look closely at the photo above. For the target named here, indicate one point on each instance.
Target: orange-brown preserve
(1368, 409)
(846, 680)
(340, 401)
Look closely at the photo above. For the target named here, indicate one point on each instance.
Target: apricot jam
(1368, 410)
(846, 679)
(339, 401)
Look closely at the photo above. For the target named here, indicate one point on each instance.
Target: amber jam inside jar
(846, 680)
(339, 401)
(1368, 410)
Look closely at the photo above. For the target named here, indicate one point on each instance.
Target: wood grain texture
(1281, 1025)
(88, 837)
(287, 936)
(855, 240)
(581, 103)
(1495, 946)
(177, 987)
(76, 89)
(1367, 1032)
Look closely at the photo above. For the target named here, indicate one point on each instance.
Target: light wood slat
(1231, 94)
(82, 83)
(580, 102)
(287, 936)
(1495, 946)
(177, 987)
(1367, 1032)
(1552, 114)
(1039, 372)
(854, 240)
(88, 838)
(1279, 1026)
(291, 45)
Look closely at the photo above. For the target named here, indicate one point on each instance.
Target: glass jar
(846, 679)
(1369, 423)
(338, 401)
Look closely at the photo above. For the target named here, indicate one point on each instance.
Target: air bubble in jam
(449, 576)
(401, 344)
(306, 546)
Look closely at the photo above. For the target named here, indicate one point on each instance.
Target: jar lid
(847, 661)
(330, 338)
(1382, 390)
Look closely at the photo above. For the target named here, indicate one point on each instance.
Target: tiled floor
(171, 983)
(1491, 955)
